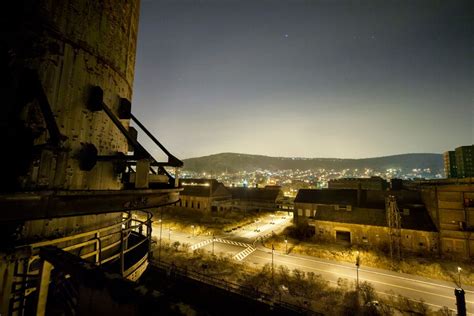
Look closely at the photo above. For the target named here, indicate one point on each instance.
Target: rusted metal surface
(54, 204)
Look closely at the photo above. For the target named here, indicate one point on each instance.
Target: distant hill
(233, 162)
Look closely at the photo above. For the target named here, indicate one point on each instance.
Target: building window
(199, 205)
(300, 212)
(186, 204)
(192, 204)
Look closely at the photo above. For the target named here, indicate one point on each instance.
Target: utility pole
(273, 271)
(357, 269)
(213, 238)
(161, 230)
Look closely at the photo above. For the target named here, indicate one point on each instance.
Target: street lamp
(459, 276)
(273, 274)
(192, 226)
(159, 247)
(213, 238)
(286, 246)
(357, 268)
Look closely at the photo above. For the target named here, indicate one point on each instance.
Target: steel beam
(53, 204)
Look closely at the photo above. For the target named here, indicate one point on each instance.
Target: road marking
(231, 242)
(201, 244)
(379, 273)
(374, 281)
(410, 299)
(244, 253)
(223, 241)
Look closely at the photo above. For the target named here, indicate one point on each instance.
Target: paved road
(433, 292)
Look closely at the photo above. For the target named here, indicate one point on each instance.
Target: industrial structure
(450, 203)
(73, 168)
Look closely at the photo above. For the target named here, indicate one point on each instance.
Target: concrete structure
(338, 216)
(203, 194)
(69, 179)
(450, 203)
(465, 161)
(460, 162)
(450, 166)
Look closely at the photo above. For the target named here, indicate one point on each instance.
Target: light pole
(159, 246)
(357, 268)
(459, 276)
(213, 238)
(192, 226)
(273, 273)
(286, 246)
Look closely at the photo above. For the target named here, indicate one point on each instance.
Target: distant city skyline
(306, 78)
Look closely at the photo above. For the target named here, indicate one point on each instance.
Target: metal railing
(125, 237)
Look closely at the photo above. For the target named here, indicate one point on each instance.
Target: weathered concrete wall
(378, 236)
(196, 203)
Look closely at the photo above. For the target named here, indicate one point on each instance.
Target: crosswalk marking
(224, 241)
(244, 253)
(235, 243)
(201, 244)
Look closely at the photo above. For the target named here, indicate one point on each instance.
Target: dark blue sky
(306, 78)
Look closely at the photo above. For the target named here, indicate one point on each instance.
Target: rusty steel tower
(73, 168)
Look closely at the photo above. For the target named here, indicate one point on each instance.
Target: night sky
(347, 79)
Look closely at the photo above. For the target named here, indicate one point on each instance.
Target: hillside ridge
(233, 162)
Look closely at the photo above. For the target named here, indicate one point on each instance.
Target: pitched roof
(196, 190)
(203, 188)
(255, 194)
(327, 196)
